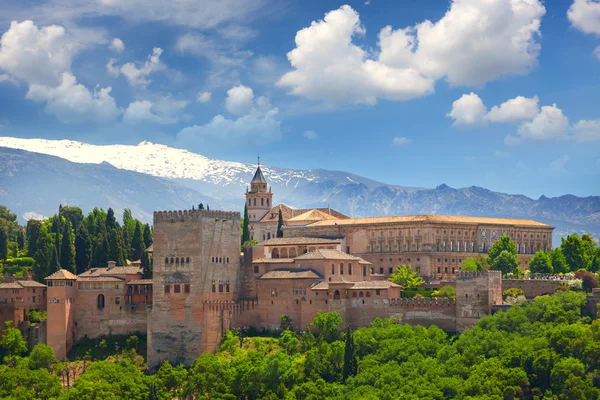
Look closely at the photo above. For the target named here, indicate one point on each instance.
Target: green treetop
(280, 225)
(541, 263)
(405, 277)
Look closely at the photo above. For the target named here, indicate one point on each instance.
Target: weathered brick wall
(11, 312)
(179, 327)
(33, 334)
(476, 292)
(532, 288)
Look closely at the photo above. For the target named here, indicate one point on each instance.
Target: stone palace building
(202, 285)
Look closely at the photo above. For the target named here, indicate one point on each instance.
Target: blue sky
(498, 94)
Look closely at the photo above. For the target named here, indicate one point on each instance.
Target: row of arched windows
(262, 202)
(177, 260)
(220, 260)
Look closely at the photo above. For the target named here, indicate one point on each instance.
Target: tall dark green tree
(200, 206)
(32, 232)
(350, 364)
(246, 226)
(83, 249)
(3, 243)
(43, 254)
(137, 242)
(146, 265)
(54, 262)
(21, 239)
(147, 236)
(575, 252)
(280, 225)
(111, 221)
(207, 207)
(559, 262)
(72, 214)
(67, 252)
(116, 247)
(541, 263)
(99, 251)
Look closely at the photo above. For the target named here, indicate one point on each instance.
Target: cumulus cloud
(311, 135)
(72, 102)
(117, 45)
(473, 43)
(329, 67)
(259, 122)
(586, 130)
(585, 16)
(401, 141)
(137, 76)
(549, 124)
(468, 110)
(514, 110)
(203, 97)
(240, 100)
(38, 56)
(163, 111)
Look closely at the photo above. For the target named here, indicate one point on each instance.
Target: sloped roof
(130, 270)
(288, 212)
(150, 249)
(298, 241)
(291, 274)
(258, 176)
(140, 282)
(99, 279)
(62, 274)
(31, 284)
(432, 219)
(362, 285)
(273, 261)
(329, 254)
(10, 285)
(312, 215)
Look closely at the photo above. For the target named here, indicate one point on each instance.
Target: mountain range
(37, 174)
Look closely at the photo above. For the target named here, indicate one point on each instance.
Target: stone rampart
(532, 287)
(193, 215)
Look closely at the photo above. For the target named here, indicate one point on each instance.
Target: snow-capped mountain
(224, 182)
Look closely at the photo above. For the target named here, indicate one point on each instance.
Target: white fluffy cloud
(468, 110)
(311, 135)
(162, 111)
(586, 130)
(203, 97)
(550, 124)
(473, 43)
(258, 123)
(514, 110)
(38, 56)
(240, 100)
(329, 67)
(72, 102)
(137, 76)
(585, 16)
(401, 141)
(117, 45)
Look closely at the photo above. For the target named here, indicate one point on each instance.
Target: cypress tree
(111, 221)
(246, 227)
(137, 242)
(147, 236)
(20, 239)
(67, 253)
(3, 244)
(350, 363)
(100, 251)
(280, 225)
(54, 263)
(116, 247)
(207, 207)
(32, 233)
(83, 249)
(146, 265)
(57, 244)
(200, 206)
(43, 254)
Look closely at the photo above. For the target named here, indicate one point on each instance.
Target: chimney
(111, 265)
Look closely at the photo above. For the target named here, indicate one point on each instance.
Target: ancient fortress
(202, 286)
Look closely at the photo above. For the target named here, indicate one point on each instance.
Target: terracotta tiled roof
(31, 284)
(291, 274)
(140, 282)
(62, 274)
(288, 213)
(329, 254)
(433, 219)
(150, 249)
(111, 272)
(362, 285)
(99, 279)
(273, 261)
(312, 215)
(10, 285)
(298, 241)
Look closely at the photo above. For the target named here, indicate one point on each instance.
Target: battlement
(431, 302)
(194, 215)
(468, 275)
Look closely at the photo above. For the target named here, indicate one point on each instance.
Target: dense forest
(545, 349)
(71, 240)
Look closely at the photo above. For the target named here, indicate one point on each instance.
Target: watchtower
(62, 290)
(259, 199)
(476, 293)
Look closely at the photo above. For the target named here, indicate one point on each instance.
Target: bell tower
(259, 198)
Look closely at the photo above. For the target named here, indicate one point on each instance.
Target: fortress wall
(532, 288)
(179, 327)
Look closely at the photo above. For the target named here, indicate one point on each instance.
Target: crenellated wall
(534, 287)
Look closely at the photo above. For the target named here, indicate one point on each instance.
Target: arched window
(187, 259)
(171, 260)
(268, 235)
(360, 294)
(100, 301)
(267, 201)
(254, 202)
(227, 260)
(336, 295)
(368, 294)
(220, 260)
(176, 260)
(353, 294)
(212, 259)
(166, 260)
(249, 202)
(262, 202)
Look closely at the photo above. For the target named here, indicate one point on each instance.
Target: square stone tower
(476, 293)
(196, 260)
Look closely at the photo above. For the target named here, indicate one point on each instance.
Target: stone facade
(196, 260)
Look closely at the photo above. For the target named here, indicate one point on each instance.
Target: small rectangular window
(117, 300)
(256, 269)
(220, 288)
(227, 287)
(341, 269)
(177, 289)
(377, 291)
(213, 288)
(381, 271)
(349, 269)
(186, 288)
(167, 288)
